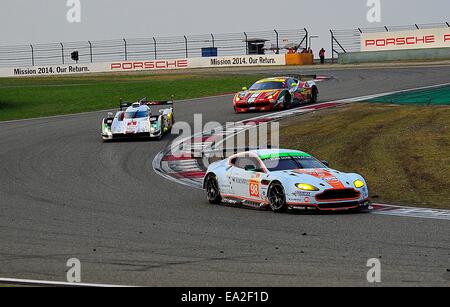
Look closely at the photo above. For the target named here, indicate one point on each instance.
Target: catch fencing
(343, 41)
(151, 48)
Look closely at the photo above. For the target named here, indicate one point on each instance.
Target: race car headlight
(358, 184)
(238, 98)
(154, 127)
(306, 187)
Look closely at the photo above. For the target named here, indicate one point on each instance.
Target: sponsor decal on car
(240, 180)
(301, 193)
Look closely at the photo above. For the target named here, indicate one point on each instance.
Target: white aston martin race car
(135, 120)
(282, 179)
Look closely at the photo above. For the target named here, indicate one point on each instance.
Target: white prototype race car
(282, 179)
(135, 120)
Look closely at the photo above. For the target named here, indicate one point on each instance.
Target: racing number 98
(254, 189)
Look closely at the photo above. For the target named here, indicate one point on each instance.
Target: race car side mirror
(250, 168)
(110, 115)
(325, 162)
(244, 88)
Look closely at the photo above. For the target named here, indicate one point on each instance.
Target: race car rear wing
(145, 101)
(304, 77)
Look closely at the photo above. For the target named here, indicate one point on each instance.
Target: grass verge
(431, 96)
(402, 151)
(36, 97)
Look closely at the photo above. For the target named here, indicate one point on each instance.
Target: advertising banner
(150, 65)
(53, 70)
(401, 40)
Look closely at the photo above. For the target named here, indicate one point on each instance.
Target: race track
(65, 194)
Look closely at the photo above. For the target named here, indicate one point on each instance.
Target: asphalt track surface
(65, 194)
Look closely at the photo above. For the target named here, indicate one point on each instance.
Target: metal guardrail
(151, 48)
(343, 41)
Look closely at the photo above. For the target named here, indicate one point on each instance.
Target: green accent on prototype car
(105, 128)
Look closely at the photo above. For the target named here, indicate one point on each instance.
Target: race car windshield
(272, 85)
(290, 163)
(137, 114)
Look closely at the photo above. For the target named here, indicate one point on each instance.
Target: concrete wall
(433, 54)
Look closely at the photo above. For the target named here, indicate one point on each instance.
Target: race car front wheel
(287, 102)
(314, 95)
(277, 198)
(212, 190)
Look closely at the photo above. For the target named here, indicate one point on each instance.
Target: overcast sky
(43, 21)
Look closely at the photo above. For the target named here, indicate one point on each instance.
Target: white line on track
(424, 213)
(30, 282)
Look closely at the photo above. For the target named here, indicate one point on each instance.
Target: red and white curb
(177, 163)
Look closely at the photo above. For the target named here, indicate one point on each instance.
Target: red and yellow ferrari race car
(277, 93)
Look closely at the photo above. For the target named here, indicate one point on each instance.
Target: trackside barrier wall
(434, 54)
